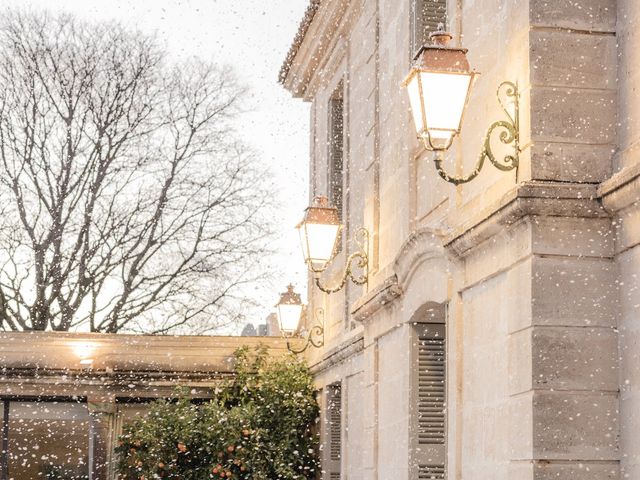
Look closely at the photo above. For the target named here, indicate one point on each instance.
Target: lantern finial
(440, 38)
(290, 297)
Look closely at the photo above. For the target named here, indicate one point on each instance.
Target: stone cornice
(304, 25)
(182, 355)
(622, 189)
(527, 198)
(343, 351)
(381, 295)
(312, 47)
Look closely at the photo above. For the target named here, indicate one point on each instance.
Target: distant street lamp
(290, 310)
(439, 84)
(319, 234)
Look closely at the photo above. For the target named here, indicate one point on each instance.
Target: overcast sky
(253, 36)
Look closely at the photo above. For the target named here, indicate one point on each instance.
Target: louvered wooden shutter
(431, 472)
(427, 15)
(336, 150)
(333, 428)
(429, 413)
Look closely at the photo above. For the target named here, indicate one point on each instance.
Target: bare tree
(126, 199)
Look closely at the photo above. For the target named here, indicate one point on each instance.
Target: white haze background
(253, 36)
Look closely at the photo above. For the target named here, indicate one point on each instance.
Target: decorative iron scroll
(357, 260)
(509, 135)
(315, 336)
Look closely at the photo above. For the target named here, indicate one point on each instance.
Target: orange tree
(259, 426)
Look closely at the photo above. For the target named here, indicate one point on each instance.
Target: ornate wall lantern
(289, 310)
(439, 84)
(319, 234)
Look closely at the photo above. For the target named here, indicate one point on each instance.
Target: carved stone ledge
(376, 299)
(338, 354)
(529, 198)
(622, 189)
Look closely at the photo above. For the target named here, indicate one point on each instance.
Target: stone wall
(534, 269)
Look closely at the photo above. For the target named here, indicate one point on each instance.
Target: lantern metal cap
(440, 57)
(289, 297)
(321, 212)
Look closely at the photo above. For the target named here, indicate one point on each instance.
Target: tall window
(425, 16)
(429, 401)
(332, 432)
(335, 169)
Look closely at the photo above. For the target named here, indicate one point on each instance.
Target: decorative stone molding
(311, 45)
(527, 198)
(121, 354)
(48, 363)
(621, 190)
(304, 25)
(376, 299)
(338, 354)
(422, 245)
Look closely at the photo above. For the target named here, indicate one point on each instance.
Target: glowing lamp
(319, 231)
(289, 310)
(439, 84)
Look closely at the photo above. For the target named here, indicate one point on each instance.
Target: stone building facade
(498, 335)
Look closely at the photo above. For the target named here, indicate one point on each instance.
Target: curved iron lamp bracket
(315, 336)
(358, 259)
(509, 135)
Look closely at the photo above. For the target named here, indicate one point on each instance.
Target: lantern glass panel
(318, 241)
(444, 98)
(413, 88)
(289, 317)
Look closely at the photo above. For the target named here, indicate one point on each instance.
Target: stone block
(433, 196)
(592, 15)
(575, 426)
(628, 37)
(521, 470)
(571, 59)
(575, 358)
(573, 115)
(629, 263)
(520, 420)
(574, 291)
(356, 419)
(520, 362)
(472, 433)
(496, 444)
(572, 236)
(576, 471)
(571, 162)
(628, 228)
(501, 252)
